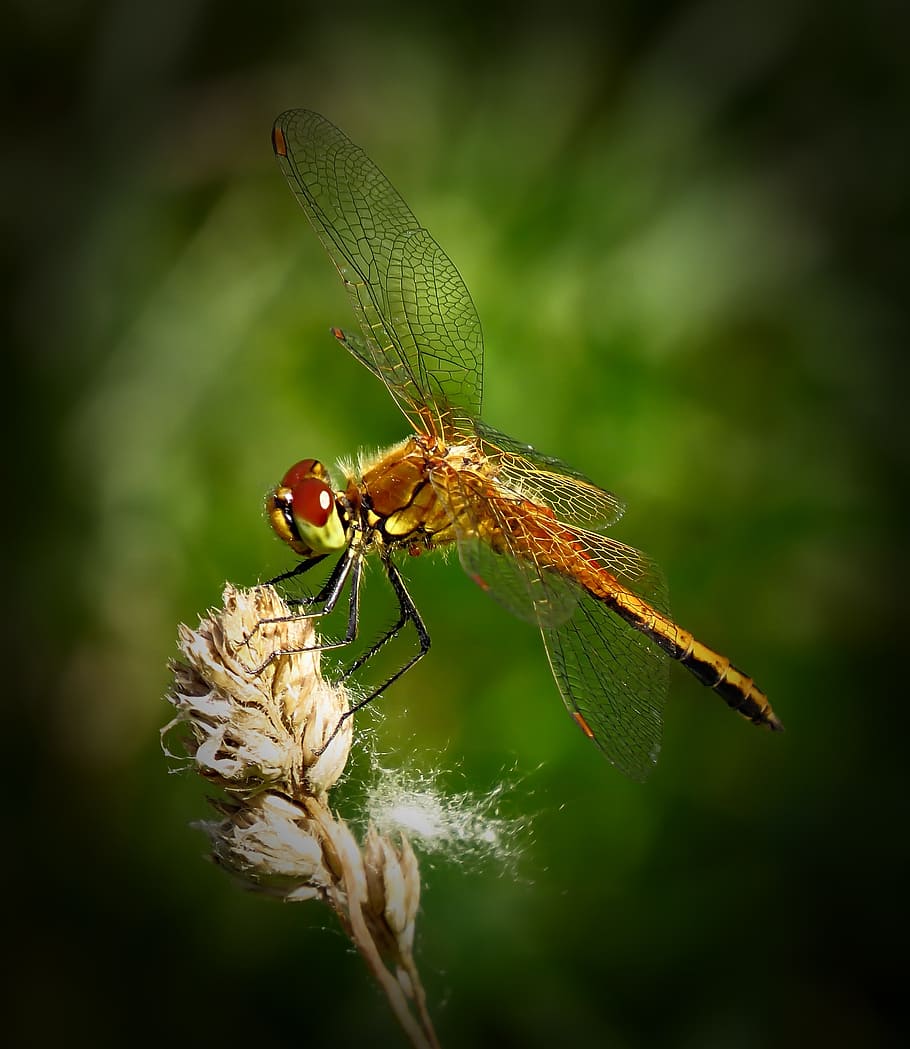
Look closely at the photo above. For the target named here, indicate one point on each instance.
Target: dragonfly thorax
(398, 495)
(304, 512)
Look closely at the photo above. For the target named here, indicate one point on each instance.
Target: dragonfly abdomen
(731, 684)
(712, 669)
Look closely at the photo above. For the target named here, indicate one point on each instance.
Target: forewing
(421, 333)
(543, 479)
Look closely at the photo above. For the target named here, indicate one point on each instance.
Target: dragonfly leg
(328, 594)
(301, 568)
(408, 613)
(348, 565)
(383, 640)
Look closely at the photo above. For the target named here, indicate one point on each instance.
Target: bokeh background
(684, 232)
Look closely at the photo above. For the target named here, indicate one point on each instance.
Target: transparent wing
(615, 678)
(609, 673)
(530, 593)
(543, 479)
(421, 332)
(480, 520)
(540, 569)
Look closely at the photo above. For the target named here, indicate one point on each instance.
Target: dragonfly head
(303, 512)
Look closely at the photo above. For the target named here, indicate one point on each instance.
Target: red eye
(305, 468)
(312, 500)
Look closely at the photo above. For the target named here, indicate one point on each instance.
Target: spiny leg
(408, 613)
(298, 570)
(328, 593)
(301, 568)
(350, 564)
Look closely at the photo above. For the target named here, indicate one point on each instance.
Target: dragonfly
(529, 529)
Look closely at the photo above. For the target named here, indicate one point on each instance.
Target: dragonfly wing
(364, 351)
(611, 677)
(440, 330)
(531, 593)
(540, 478)
(421, 333)
(615, 678)
(486, 552)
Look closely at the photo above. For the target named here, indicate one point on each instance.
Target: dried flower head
(259, 713)
(272, 844)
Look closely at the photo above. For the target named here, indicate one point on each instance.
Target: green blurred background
(684, 234)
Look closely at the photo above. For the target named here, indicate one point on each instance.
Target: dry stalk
(256, 714)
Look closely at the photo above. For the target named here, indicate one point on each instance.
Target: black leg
(327, 596)
(409, 613)
(301, 568)
(331, 588)
(406, 612)
(349, 564)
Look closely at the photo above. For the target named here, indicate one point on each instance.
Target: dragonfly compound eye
(312, 502)
(302, 510)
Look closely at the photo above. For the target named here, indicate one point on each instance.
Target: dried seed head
(254, 700)
(272, 844)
